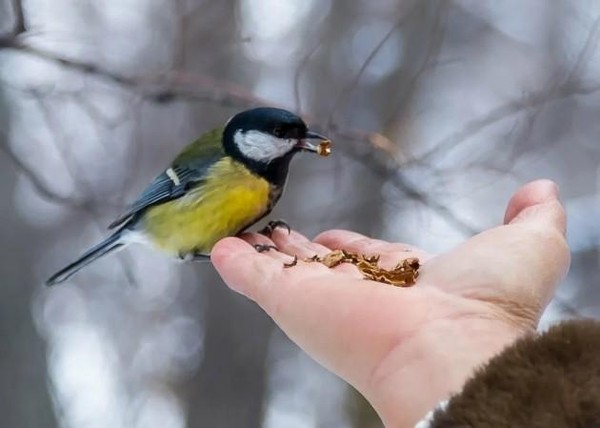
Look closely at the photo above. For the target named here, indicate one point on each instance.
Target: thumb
(516, 266)
(537, 204)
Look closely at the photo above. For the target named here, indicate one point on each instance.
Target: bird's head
(262, 136)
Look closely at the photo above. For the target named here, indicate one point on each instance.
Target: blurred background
(439, 110)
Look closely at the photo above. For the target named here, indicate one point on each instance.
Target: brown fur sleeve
(550, 380)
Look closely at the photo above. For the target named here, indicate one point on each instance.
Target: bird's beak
(305, 145)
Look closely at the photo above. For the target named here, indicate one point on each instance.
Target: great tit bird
(218, 186)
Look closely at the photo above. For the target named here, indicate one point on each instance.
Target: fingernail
(551, 190)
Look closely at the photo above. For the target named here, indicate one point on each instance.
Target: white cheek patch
(262, 147)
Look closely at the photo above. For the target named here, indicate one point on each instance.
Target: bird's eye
(278, 131)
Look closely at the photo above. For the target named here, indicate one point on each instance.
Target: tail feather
(109, 244)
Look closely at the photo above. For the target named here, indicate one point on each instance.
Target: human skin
(406, 349)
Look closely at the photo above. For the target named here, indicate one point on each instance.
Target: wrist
(433, 364)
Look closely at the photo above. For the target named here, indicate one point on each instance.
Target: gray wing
(171, 184)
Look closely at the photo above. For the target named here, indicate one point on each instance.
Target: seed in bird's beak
(323, 148)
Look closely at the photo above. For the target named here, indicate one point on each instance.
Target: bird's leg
(261, 248)
(272, 225)
(198, 256)
(194, 256)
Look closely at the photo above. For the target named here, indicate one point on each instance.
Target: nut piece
(334, 258)
(324, 148)
(403, 275)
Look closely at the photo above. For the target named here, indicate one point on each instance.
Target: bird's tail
(109, 244)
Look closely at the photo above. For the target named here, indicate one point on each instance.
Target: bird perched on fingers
(218, 186)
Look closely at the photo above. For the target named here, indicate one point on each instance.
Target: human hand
(405, 349)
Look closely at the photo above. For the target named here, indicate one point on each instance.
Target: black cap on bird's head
(264, 136)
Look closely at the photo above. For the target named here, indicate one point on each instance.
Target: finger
(296, 244)
(321, 310)
(255, 238)
(243, 268)
(537, 204)
(516, 266)
(391, 253)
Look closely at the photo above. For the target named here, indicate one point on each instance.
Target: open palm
(407, 348)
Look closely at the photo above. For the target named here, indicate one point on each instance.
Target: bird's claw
(292, 263)
(272, 225)
(262, 248)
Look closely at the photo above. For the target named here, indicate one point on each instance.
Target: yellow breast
(231, 199)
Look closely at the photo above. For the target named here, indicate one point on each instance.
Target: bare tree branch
(299, 69)
(438, 33)
(591, 43)
(84, 67)
(413, 192)
(569, 87)
(19, 27)
(167, 86)
(504, 111)
(159, 87)
(347, 91)
(390, 172)
(179, 56)
(43, 189)
(75, 173)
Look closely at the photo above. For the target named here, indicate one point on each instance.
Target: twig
(504, 111)
(179, 56)
(591, 43)
(433, 50)
(347, 90)
(74, 172)
(165, 87)
(19, 26)
(569, 87)
(297, 74)
(390, 172)
(84, 67)
(40, 185)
